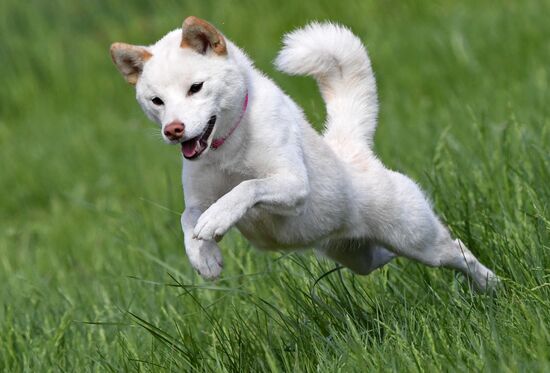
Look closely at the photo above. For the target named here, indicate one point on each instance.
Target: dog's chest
(269, 231)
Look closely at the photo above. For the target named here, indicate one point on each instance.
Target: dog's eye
(195, 88)
(157, 101)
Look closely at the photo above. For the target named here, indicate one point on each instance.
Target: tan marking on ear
(129, 59)
(146, 55)
(201, 35)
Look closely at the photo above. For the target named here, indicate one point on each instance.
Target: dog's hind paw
(490, 283)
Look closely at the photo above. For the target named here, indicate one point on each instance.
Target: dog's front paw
(215, 222)
(207, 260)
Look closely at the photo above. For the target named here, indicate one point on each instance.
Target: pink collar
(216, 143)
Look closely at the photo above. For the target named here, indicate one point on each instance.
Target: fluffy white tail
(337, 59)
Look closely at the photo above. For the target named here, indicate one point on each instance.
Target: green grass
(92, 268)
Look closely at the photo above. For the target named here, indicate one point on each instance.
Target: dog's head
(187, 82)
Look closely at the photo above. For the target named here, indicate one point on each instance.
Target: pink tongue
(189, 148)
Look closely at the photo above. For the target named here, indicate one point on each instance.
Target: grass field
(92, 268)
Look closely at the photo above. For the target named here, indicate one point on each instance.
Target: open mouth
(194, 147)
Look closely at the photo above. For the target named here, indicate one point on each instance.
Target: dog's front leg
(280, 194)
(205, 256)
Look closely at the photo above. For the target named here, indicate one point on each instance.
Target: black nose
(212, 119)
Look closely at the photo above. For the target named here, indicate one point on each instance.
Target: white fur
(277, 180)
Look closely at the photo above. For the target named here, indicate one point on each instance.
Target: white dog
(251, 159)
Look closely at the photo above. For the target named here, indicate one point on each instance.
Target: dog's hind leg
(454, 254)
(361, 256)
(440, 250)
(400, 218)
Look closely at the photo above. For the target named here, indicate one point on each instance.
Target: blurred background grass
(92, 266)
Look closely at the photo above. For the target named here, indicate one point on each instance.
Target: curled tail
(337, 59)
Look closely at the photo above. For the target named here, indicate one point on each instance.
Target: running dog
(251, 159)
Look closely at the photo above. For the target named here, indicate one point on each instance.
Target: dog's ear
(129, 59)
(202, 36)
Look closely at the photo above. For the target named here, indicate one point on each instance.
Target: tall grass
(92, 266)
